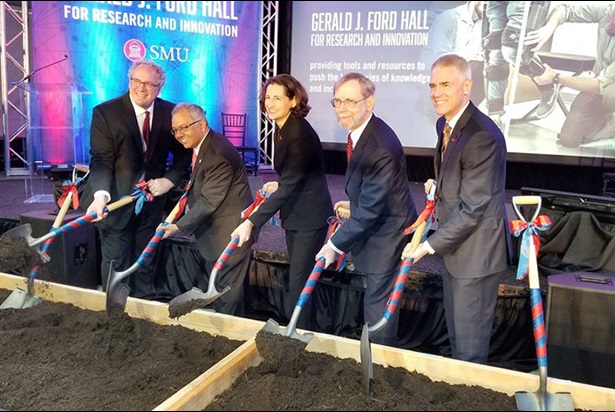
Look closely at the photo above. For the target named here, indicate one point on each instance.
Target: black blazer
(219, 192)
(380, 203)
(471, 178)
(302, 197)
(117, 161)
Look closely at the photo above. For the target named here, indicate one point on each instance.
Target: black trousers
(123, 248)
(302, 247)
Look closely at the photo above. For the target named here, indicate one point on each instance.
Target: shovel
(541, 400)
(19, 298)
(196, 298)
(420, 227)
(271, 326)
(118, 291)
(25, 231)
(291, 330)
(394, 299)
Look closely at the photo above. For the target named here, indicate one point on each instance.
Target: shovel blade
(20, 299)
(272, 326)
(366, 359)
(538, 401)
(21, 231)
(117, 292)
(193, 299)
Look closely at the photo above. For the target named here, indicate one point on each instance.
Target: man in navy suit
(380, 203)
(218, 193)
(123, 153)
(472, 225)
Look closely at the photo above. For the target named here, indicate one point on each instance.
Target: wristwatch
(556, 78)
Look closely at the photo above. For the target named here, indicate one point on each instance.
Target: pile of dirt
(58, 357)
(17, 257)
(290, 378)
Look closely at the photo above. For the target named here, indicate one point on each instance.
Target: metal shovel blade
(538, 401)
(25, 232)
(272, 326)
(117, 292)
(21, 231)
(20, 299)
(541, 400)
(544, 401)
(193, 299)
(366, 359)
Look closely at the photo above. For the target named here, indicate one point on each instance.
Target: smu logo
(135, 50)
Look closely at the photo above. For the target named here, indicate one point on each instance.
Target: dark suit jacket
(302, 197)
(472, 222)
(117, 161)
(219, 192)
(380, 203)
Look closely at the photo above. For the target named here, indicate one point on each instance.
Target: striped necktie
(146, 130)
(446, 136)
(349, 149)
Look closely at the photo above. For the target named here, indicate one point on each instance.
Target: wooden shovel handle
(119, 203)
(527, 200)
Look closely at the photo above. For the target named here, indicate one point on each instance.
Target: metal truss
(269, 67)
(15, 63)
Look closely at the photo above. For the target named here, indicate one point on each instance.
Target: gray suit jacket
(219, 192)
(471, 179)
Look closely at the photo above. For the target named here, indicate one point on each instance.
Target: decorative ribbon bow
(426, 215)
(143, 195)
(260, 197)
(334, 224)
(517, 227)
(70, 187)
(183, 201)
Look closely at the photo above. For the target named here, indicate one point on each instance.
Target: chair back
(234, 127)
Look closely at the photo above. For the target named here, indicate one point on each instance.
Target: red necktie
(146, 130)
(349, 149)
(446, 136)
(193, 159)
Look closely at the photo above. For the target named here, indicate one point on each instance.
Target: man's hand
(169, 230)
(328, 253)
(342, 208)
(98, 206)
(160, 186)
(539, 37)
(428, 184)
(270, 187)
(415, 254)
(243, 231)
(546, 77)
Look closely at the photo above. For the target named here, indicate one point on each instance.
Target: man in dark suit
(472, 225)
(130, 140)
(380, 203)
(218, 193)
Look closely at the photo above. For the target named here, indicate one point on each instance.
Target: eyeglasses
(348, 103)
(182, 129)
(138, 83)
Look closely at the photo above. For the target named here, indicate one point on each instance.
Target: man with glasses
(380, 203)
(218, 193)
(130, 140)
